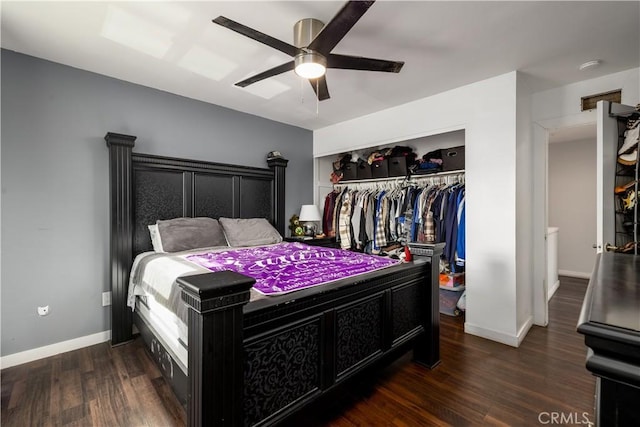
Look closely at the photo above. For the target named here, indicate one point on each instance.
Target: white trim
(53, 349)
(524, 330)
(541, 129)
(491, 334)
(553, 289)
(501, 337)
(577, 274)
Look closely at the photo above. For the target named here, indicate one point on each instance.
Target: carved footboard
(257, 363)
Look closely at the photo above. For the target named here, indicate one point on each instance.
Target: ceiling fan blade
(347, 62)
(339, 26)
(257, 35)
(319, 86)
(266, 74)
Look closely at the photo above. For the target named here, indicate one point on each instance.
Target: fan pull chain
(317, 97)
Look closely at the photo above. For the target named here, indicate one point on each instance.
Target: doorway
(559, 129)
(571, 202)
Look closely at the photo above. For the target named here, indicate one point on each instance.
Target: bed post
(216, 362)
(278, 164)
(426, 350)
(121, 226)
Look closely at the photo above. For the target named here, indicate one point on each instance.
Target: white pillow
(156, 242)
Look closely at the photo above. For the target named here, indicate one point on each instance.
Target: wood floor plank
(478, 383)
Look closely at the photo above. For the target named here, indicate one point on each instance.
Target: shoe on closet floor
(630, 139)
(629, 159)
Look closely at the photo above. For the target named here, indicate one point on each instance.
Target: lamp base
(309, 229)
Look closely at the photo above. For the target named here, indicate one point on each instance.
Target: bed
(256, 361)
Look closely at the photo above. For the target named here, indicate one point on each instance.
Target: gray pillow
(249, 232)
(182, 234)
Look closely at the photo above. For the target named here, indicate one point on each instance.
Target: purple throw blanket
(287, 267)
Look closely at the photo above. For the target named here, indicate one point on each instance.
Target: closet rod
(413, 179)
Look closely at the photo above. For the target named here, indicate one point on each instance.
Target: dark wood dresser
(610, 322)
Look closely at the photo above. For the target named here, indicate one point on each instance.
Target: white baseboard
(577, 274)
(490, 334)
(53, 349)
(524, 330)
(553, 289)
(498, 336)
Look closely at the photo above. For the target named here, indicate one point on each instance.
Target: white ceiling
(174, 47)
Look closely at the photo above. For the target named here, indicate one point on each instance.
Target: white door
(607, 153)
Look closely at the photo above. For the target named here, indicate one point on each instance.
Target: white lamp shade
(309, 213)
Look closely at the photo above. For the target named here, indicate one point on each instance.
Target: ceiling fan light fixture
(310, 65)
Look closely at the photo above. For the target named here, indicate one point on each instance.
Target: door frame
(541, 131)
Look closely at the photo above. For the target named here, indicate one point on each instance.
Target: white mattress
(169, 328)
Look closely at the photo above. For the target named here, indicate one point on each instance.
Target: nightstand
(327, 242)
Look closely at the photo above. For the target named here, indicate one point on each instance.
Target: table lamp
(309, 215)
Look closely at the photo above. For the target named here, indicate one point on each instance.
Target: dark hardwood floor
(479, 382)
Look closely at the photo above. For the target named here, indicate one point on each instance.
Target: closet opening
(415, 188)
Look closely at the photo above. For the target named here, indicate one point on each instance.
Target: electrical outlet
(106, 298)
(43, 311)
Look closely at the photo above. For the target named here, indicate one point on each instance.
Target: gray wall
(55, 204)
(572, 203)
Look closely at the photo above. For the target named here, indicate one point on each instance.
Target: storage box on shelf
(350, 171)
(363, 171)
(453, 158)
(398, 166)
(380, 169)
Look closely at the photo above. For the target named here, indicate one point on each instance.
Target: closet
(380, 215)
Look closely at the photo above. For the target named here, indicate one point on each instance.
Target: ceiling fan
(314, 42)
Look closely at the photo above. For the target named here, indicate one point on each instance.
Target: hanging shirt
(451, 224)
(356, 218)
(461, 241)
(344, 227)
(379, 238)
(327, 214)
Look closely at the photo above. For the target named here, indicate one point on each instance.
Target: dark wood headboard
(144, 188)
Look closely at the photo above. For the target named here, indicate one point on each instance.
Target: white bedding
(154, 275)
(169, 329)
(152, 293)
